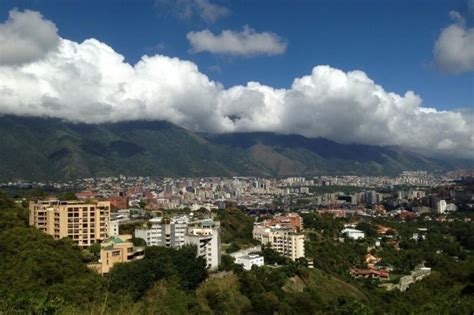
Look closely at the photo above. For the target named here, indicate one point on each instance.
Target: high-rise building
(283, 234)
(205, 236)
(178, 231)
(84, 222)
(167, 232)
(441, 206)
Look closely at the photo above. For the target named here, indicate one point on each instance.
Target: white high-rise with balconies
(167, 232)
(178, 231)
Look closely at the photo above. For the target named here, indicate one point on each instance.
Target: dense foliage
(37, 273)
(236, 228)
(137, 277)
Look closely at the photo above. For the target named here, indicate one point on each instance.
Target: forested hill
(45, 148)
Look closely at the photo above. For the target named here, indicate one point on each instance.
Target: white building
(164, 232)
(205, 235)
(353, 233)
(246, 251)
(114, 228)
(441, 206)
(178, 231)
(451, 207)
(250, 260)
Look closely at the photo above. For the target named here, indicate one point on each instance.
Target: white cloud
(25, 37)
(454, 48)
(204, 9)
(244, 43)
(90, 82)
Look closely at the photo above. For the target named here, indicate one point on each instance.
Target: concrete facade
(84, 223)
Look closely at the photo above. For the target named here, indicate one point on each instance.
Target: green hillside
(45, 148)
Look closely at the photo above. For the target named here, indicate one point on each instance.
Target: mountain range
(33, 148)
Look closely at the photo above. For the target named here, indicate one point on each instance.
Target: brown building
(84, 223)
(291, 220)
(119, 202)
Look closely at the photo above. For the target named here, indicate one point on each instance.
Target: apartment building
(115, 250)
(283, 234)
(167, 232)
(204, 234)
(291, 220)
(84, 222)
(178, 231)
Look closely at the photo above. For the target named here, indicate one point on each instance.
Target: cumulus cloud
(90, 82)
(245, 43)
(454, 48)
(25, 37)
(204, 9)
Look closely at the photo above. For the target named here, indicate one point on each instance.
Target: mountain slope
(292, 154)
(36, 148)
(46, 148)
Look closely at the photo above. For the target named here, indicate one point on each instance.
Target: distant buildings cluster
(220, 192)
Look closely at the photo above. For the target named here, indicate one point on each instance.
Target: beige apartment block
(117, 249)
(84, 222)
(285, 241)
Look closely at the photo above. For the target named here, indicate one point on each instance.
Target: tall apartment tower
(167, 232)
(178, 231)
(283, 234)
(84, 223)
(204, 234)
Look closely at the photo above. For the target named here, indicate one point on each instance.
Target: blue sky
(391, 41)
(224, 66)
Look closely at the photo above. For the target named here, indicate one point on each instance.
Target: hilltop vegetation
(37, 273)
(236, 228)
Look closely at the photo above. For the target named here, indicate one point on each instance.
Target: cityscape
(115, 219)
(227, 157)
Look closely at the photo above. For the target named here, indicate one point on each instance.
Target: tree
(222, 296)
(272, 257)
(227, 263)
(68, 195)
(234, 247)
(94, 249)
(367, 228)
(159, 263)
(137, 241)
(236, 227)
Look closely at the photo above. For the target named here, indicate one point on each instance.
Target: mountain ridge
(34, 148)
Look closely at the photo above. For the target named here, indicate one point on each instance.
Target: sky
(373, 72)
